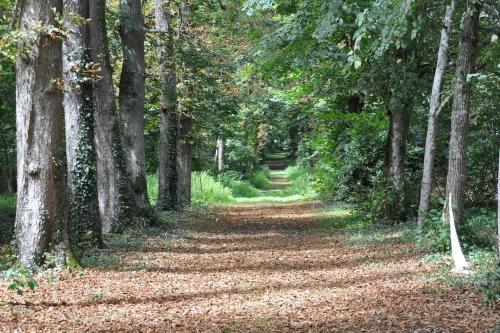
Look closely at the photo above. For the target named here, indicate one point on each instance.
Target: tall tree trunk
(132, 92)
(112, 185)
(185, 161)
(84, 223)
(168, 196)
(294, 136)
(220, 154)
(40, 218)
(498, 211)
(434, 110)
(460, 112)
(186, 121)
(398, 133)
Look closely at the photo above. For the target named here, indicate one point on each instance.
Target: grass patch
(205, 189)
(242, 189)
(275, 156)
(260, 179)
(338, 218)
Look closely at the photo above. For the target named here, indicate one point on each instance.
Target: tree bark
(112, 184)
(84, 223)
(132, 92)
(455, 184)
(220, 154)
(434, 110)
(40, 218)
(168, 196)
(498, 211)
(185, 161)
(186, 120)
(398, 133)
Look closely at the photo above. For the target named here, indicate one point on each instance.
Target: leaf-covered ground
(252, 268)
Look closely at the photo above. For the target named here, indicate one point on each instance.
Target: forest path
(253, 268)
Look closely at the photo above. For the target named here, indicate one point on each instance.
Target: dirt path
(253, 268)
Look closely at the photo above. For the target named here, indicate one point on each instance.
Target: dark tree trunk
(185, 161)
(395, 156)
(40, 219)
(294, 136)
(112, 184)
(186, 121)
(455, 185)
(12, 181)
(132, 92)
(498, 211)
(168, 191)
(434, 110)
(84, 223)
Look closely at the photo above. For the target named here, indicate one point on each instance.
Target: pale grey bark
(132, 92)
(219, 154)
(434, 110)
(40, 218)
(84, 223)
(111, 183)
(168, 191)
(455, 182)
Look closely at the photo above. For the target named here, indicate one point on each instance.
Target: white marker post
(461, 265)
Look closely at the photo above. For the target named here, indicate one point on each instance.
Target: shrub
(436, 234)
(20, 280)
(301, 182)
(260, 179)
(206, 190)
(240, 157)
(239, 188)
(490, 286)
(243, 189)
(479, 228)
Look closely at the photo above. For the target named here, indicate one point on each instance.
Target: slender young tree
(41, 218)
(435, 107)
(132, 92)
(168, 191)
(112, 184)
(219, 154)
(186, 119)
(467, 51)
(84, 222)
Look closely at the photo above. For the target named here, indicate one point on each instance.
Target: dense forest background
(388, 107)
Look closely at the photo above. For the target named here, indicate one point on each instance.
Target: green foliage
(20, 279)
(259, 179)
(436, 233)
(152, 185)
(479, 228)
(240, 157)
(7, 214)
(99, 258)
(206, 190)
(242, 189)
(489, 285)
